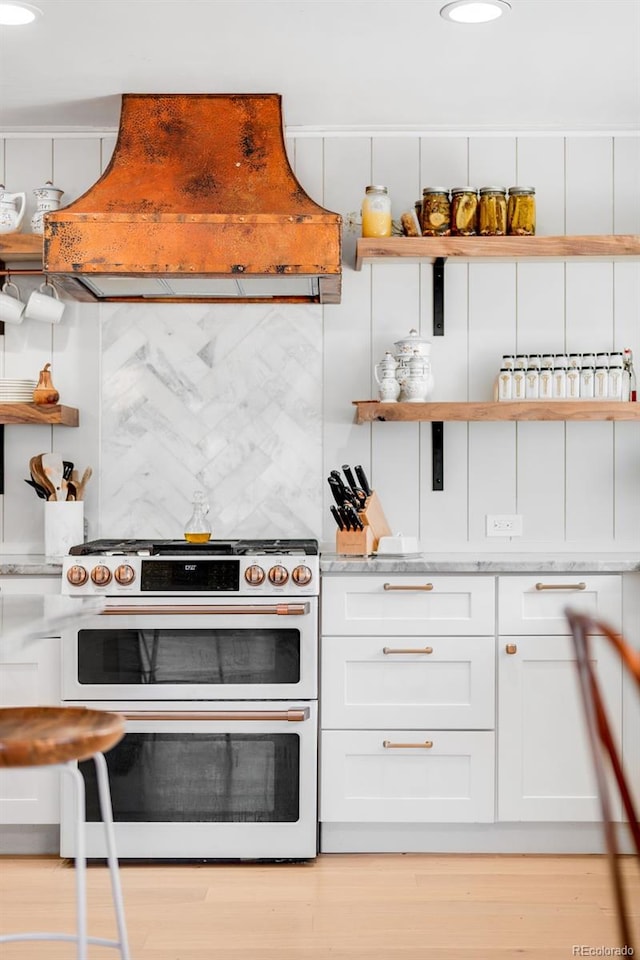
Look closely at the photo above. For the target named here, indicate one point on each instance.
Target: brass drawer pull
(561, 586)
(511, 648)
(410, 586)
(388, 745)
(387, 650)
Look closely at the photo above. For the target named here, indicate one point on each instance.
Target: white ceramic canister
(63, 526)
(412, 344)
(505, 384)
(47, 199)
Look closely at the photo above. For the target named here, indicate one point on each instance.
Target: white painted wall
(576, 485)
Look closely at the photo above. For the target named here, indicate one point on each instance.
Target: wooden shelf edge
(604, 246)
(31, 413)
(20, 246)
(370, 410)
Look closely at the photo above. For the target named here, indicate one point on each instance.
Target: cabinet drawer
(364, 780)
(535, 604)
(446, 683)
(410, 605)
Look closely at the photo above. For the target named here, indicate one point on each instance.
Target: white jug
(47, 199)
(12, 207)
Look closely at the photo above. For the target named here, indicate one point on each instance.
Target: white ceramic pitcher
(12, 207)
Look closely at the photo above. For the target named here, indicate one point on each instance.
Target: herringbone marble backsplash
(224, 399)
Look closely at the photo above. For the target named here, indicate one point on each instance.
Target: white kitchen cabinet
(447, 683)
(407, 776)
(535, 604)
(29, 676)
(408, 605)
(407, 700)
(545, 768)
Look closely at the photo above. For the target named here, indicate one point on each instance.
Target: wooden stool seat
(36, 736)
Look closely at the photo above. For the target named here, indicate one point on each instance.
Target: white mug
(40, 306)
(11, 306)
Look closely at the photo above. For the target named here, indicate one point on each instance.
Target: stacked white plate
(17, 391)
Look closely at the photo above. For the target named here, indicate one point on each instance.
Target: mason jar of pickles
(521, 212)
(464, 211)
(436, 212)
(492, 212)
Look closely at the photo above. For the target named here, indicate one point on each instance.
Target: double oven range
(210, 651)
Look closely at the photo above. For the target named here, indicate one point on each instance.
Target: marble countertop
(31, 564)
(484, 563)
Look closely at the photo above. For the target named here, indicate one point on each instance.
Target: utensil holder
(364, 542)
(63, 526)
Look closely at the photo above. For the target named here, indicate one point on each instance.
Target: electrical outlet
(504, 525)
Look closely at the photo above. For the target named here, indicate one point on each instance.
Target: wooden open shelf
(368, 410)
(429, 249)
(39, 414)
(20, 246)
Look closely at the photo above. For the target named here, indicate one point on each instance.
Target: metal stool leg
(81, 938)
(104, 794)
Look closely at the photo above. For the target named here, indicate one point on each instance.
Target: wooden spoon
(86, 476)
(38, 474)
(54, 469)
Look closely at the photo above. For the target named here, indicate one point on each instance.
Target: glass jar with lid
(521, 212)
(436, 212)
(376, 212)
(464, 211)
(492, 212)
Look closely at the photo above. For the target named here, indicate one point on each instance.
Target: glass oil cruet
(197, 528)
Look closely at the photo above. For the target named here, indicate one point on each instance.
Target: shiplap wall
(576, 485)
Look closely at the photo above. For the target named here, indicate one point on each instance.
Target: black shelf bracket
(437, 455)
(438, 296)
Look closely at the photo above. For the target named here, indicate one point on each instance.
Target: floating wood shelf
(368, 410)
(33, 413)
(20, 246)
(430, 249)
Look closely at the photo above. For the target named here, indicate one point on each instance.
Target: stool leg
(104, 794)
(80, 861)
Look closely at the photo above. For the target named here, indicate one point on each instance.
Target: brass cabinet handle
(388, 745)
(561, 586)
(387, 650)
(511, 648)
(409, 586)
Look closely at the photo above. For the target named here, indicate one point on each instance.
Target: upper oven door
(227, 650)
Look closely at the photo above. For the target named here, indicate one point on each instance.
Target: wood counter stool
(44, 736)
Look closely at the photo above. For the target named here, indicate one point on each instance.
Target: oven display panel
(199, 576)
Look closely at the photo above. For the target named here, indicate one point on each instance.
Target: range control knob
(125, 574)
(254, 574)
(101, 575)
(301, 575)
(278, 575)
(77, 575)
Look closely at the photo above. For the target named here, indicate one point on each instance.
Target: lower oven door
(200, 650)
(225, 781)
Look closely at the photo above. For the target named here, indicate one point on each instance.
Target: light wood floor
(338, 907)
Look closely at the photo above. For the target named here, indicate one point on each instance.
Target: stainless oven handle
(277, 609)
(292, 716)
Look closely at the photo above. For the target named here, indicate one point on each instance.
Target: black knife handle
(337, 517)
(346, 518)
(336, 490)
(351, 480)
(356, 522)
(362, 480)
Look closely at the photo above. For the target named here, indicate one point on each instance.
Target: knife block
(361, 543)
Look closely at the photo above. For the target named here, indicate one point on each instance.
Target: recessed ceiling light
(16, 13)
(474, 11)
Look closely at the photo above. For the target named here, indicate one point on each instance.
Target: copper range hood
(198, 203)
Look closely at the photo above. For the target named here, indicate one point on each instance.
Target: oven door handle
(276, 609)
(291, 716)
